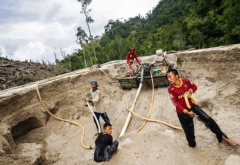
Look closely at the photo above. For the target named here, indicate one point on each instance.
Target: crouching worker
(104, 145)
(99, 106)
(177, 90)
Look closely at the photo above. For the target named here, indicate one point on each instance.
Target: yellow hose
(187, 102)
(112, 76)
(83, 131)
(157, 121)
(150, 111)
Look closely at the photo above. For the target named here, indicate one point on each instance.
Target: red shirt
(177, 92)
(131, 56)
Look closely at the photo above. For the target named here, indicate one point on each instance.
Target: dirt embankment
(25, 126)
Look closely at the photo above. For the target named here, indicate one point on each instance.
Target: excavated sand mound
(29, 136)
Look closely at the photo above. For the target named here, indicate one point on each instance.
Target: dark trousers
(108, 152)
(104, 117)
(187, 124)
(188, 127)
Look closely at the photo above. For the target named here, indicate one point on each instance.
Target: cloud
(36, 48)
(2, 52)
(55, 24)
(20, 30)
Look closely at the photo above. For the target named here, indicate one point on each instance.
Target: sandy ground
(214, 71)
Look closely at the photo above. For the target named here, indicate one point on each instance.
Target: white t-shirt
(99, 105)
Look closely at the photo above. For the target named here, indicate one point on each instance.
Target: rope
(150, 111)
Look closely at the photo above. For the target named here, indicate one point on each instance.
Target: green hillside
(171, 25)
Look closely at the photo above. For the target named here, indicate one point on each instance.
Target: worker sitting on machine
(130, 57)
(99, 106)
(105, 147)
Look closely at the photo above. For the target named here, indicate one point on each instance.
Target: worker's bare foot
(230, 142)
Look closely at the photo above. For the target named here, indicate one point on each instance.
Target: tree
(229, 21)
(68, 57)
(56, 60)
(118, 41)
(88, 19)
(180, 37)
(81, 39)
(171, 25)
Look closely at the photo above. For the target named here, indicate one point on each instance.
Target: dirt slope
(215, 71)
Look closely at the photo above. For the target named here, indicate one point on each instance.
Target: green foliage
(57, 73)
(49, 69)
(216, 22)
(31, 75)
(171, 25)
(229, 21)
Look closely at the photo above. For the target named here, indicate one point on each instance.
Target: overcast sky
(35, 29)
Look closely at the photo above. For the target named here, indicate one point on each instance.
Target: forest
(171, 25)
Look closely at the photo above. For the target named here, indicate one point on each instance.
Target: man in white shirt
(99, 106)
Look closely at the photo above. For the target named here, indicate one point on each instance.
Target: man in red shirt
(177, 90)
(130, 57)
